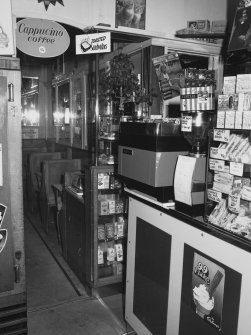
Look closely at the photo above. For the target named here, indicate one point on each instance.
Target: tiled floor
(57, 301)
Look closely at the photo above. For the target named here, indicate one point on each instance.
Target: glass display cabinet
(107, 222)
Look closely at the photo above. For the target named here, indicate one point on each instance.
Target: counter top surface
(197, 222)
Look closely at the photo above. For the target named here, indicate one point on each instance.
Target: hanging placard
(186, 123)
(214, 195)
(93, 43)
(221, 135)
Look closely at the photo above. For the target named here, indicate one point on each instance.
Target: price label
(216, 164)
(234, 203)
(214, 195)
(186, 123)
(217, 153)
(236, 169)
(222, 135)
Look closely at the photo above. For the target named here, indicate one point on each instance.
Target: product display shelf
(108, 221)
(228, 195)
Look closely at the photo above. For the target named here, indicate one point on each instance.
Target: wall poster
(131, 13)
(6, 29)
(208, 281)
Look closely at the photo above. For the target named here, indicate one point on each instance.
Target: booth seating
(26, 152)
(34, 169)
(53, 172)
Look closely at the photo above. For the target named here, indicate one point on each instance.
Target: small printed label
(214, 195)
(236, 169)
(234, 203)
(222, 135)
(186, 123)
(216, 164)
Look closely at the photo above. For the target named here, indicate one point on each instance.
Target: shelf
(185, 33)
(108, 138)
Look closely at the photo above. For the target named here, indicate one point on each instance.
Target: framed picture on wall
(130, 13)
(6, 29)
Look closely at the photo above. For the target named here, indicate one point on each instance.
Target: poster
(241, 31)
(208, 281)
(130, 13)
(6, 29)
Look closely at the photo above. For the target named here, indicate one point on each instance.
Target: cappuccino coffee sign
(41, 38)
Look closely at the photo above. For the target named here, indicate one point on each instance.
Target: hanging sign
(93, 43)
(41, 38)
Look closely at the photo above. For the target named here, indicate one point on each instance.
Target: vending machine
(13, 310)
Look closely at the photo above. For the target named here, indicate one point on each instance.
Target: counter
(169, 254)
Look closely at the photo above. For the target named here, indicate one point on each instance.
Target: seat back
(53, 172)
(35, 164)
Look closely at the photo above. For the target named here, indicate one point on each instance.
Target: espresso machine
(190, 172)
(147, 156)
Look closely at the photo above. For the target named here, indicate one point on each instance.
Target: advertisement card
(6, 29)
(208, 281)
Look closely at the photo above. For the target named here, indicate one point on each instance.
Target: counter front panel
(189, 265)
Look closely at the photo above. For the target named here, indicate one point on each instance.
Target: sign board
(6, 29)
(93, 43)
(41, 38)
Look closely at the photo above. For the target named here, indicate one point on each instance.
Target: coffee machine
(147, 156)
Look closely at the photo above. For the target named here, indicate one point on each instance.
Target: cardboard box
(199, 25)
(218, 26)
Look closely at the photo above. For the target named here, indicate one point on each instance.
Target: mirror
(29, 101)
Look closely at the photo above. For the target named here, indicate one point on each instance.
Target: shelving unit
(228, 182)
(107, 222)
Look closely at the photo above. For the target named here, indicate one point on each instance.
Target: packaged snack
(109, 230)
(119, 252)
(100, 256)
(101, 232)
